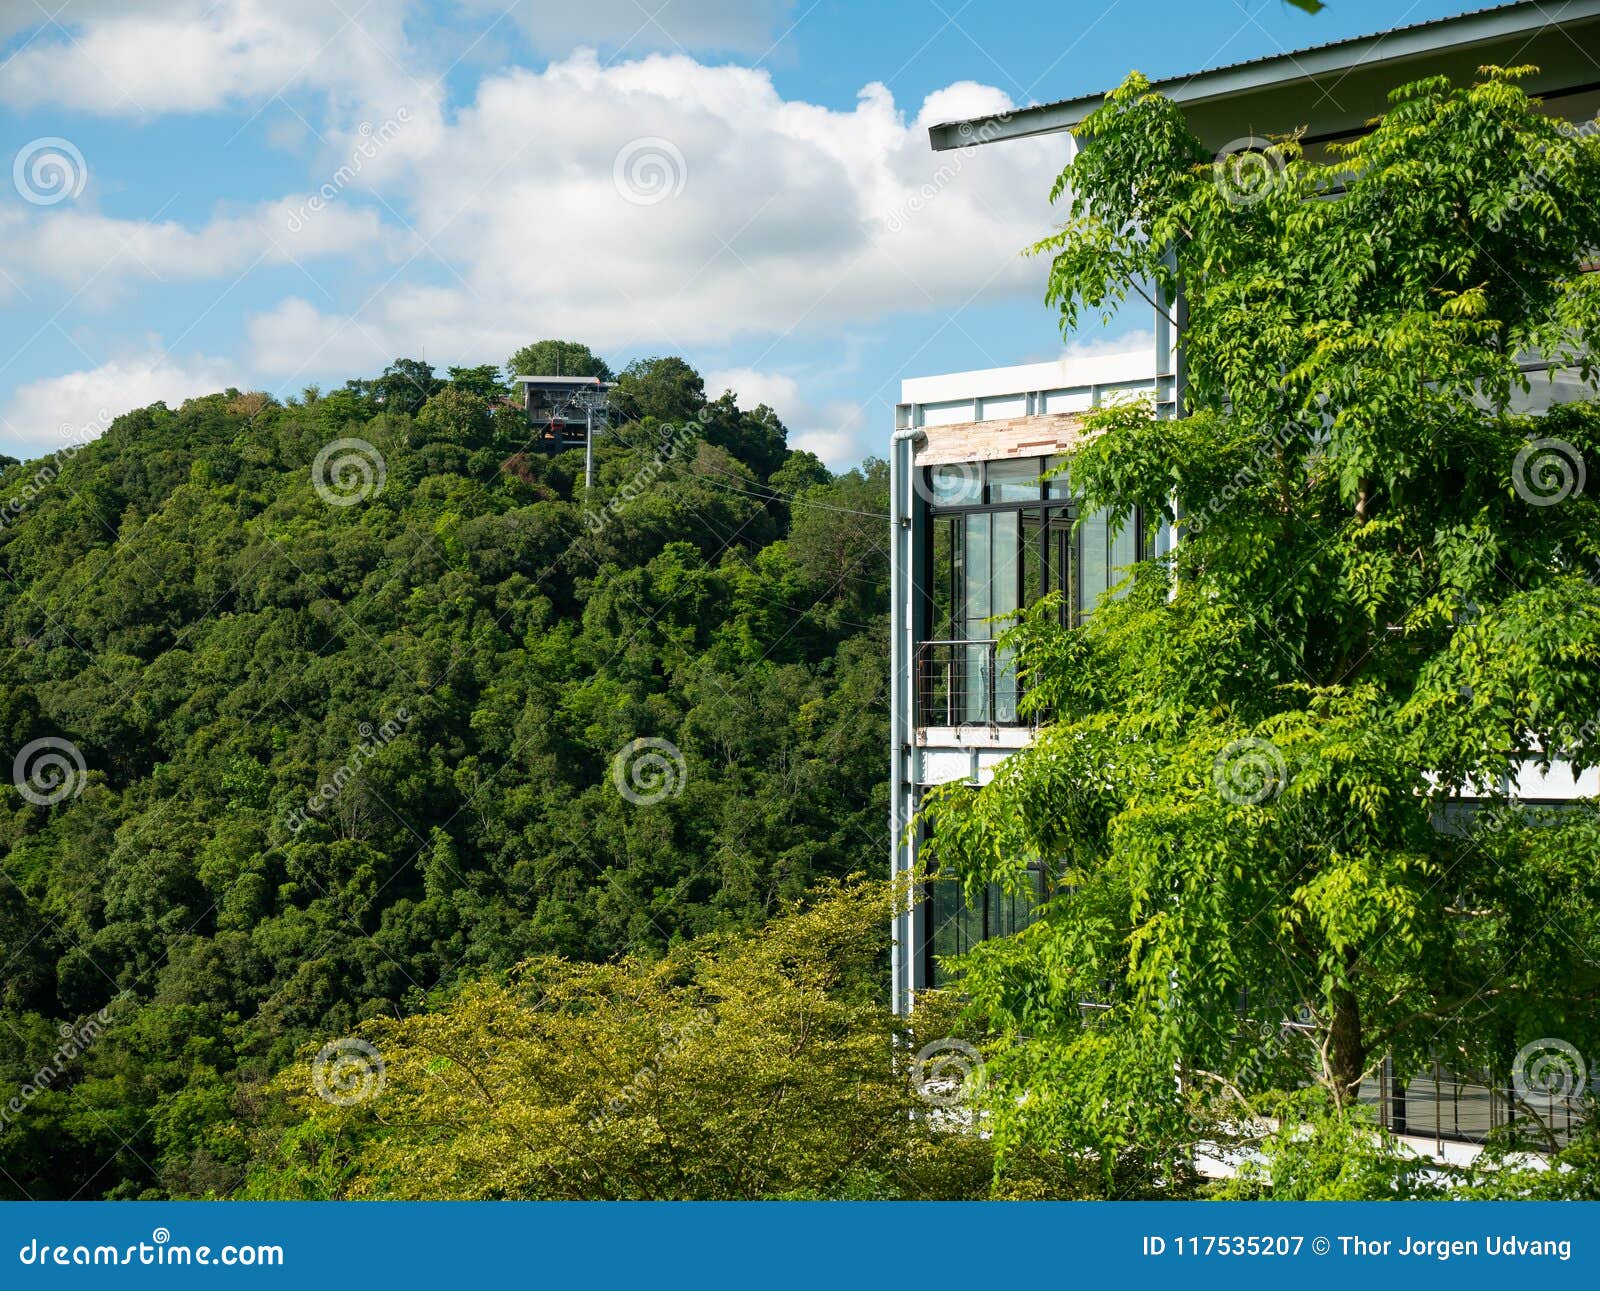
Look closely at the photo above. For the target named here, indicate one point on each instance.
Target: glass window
(957, 485)
(1005, 598)
(1107, 557)
(1124, 551)
(1094, 570)
(1015, 479)
(1034, 540)
(987, 565)
(945, 580)
(956, 927)
(1060, 557)
(1059, 486)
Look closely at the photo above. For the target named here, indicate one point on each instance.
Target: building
(977, 534)
(564, 413)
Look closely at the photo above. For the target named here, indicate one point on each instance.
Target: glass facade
(954, 927)
(1002, 538)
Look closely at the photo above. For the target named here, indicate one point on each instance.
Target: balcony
(966, 683)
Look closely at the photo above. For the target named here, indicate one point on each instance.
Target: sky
(273, 194)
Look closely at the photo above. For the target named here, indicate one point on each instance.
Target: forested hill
(341, 701)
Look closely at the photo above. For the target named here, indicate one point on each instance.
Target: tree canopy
(1382, 596)
(737, 1067)
(557, 359)
(340, 695)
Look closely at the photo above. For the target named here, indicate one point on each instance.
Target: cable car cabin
(563, 410)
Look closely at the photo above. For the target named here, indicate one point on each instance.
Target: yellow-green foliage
(738, 1067)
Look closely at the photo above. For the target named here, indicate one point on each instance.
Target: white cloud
(779, 392)
(660, 204)
(836, 431)
(195, 55)
(774, 216)
(839, 435)
(81, 248)
(1119, 342)
(295, 339)
(52, 413)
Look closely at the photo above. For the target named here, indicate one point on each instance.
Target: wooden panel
(987, 441)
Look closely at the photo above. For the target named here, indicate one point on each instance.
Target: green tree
(406, 384)
(557, 359)
(738, 1067)
(457, 658)
(456, 416)
(484, 381)
(660, 389)
(1244, 793)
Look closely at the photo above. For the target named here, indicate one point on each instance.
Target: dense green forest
(315, 710)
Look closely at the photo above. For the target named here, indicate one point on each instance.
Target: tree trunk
(1347, 1056)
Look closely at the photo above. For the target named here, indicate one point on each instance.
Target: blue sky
(274, 193)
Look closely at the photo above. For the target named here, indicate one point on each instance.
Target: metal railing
(1450, 1106)
(964, 683)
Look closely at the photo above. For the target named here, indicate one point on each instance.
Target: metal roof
(564, 381)
(1332, 89)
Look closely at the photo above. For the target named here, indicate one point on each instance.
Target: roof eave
(1339, 60)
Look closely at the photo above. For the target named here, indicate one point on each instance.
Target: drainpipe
(902, 502)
